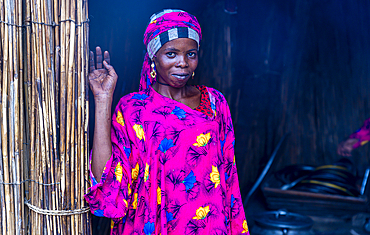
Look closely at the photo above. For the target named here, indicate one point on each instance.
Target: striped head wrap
(163, 27)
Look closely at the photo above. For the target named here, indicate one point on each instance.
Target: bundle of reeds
(44, 118)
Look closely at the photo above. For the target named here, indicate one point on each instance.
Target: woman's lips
(181, 75)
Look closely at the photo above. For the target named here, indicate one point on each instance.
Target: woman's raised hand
(102, 79)
(345, 147)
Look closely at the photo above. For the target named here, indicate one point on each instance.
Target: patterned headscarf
(163, 27)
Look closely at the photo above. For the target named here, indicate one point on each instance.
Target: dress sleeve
(362, 134)
(234, 203)
(109, 198)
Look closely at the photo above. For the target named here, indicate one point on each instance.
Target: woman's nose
(182, 62)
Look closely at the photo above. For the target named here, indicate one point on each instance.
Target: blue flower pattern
(180, 113)
(165, 145)
(189, 181)
(99, 213)
(139, 97)
(169, 216)
(222, 145)
(93, 181)
(232, 200)
(148, 228)
(127, 151)
(226, 176)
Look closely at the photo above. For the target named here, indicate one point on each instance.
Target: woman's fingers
(99, 58)
(92, 63)
(107, 57)
(110, 68)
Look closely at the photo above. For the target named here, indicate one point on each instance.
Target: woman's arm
(102, 83)
(355, 140)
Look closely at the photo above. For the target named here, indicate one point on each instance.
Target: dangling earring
(153, 73)
(192, 76)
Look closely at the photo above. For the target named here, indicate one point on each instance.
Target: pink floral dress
(172, 170)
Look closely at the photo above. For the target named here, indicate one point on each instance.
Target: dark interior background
(291, 66)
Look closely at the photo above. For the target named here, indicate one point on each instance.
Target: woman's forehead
(181, 43)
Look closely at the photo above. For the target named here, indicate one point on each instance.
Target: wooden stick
(8, 205)
(11, 136)
(37, 225)
(78, 114)
(22, 155)
(2, 173)
(71, 110)
(87, 224)
(57, 54)
(33, 117)
(15, 124)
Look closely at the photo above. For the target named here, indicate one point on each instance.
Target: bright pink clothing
(172, 170)
(363, 134)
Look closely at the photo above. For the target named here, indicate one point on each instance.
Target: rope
(18, 183)
(56, 212)
(52, 25)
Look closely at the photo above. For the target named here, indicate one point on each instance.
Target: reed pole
(2, 173)
(15, 124)
(71, 110)
(5, 159)
(23, 157)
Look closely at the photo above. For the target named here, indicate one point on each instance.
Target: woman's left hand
(102, 79)
(345, 147)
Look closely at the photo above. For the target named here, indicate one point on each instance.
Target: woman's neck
(188, 95)
(175, 93)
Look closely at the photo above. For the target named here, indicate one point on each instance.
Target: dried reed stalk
(2, 187)
(5, 158)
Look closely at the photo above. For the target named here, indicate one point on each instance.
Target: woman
(164, 163)
(355, 140)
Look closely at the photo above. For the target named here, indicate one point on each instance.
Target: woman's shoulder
(215, 95)
(130, 100)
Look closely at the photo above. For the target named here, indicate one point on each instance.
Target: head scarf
(163, 27)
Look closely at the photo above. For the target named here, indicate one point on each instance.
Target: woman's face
(176, 61)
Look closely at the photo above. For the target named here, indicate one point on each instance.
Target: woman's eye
(192, 54)
(170, 54)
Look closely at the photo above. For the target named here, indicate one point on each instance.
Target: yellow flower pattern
(146, 174)
(129, 188)
(135, 172)
(215, 176)
(134, 203)
(245, 227)
(201, 213)
(139, 131)
(111, 224)
(118, 172)
(119, 118)
(202, 140)
(159, 195)
(126, 203)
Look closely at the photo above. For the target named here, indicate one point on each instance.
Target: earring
(153, 73)
(192, 76)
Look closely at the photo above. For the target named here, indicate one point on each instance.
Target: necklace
(164, 84)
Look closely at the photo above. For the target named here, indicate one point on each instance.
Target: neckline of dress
(175, 101)
(165, 97)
